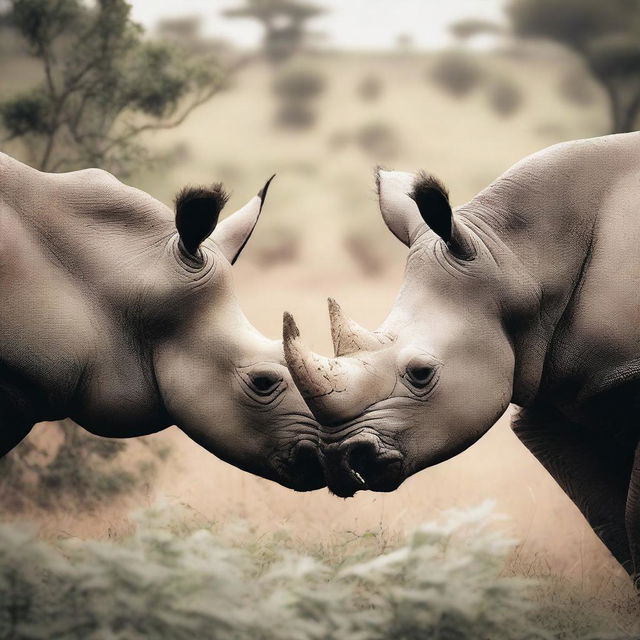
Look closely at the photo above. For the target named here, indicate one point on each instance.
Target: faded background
(372, 82)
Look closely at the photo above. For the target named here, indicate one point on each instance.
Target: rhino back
(78, 252)
(597, 344)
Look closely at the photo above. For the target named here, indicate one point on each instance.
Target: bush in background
(80, 470)
(297, 87)
(456, 72)
(370, 88)
(505, 97)
(378, 140)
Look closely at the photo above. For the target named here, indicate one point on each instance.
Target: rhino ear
(399, 211)
(197, 211)
(432, 199)
(232, 234)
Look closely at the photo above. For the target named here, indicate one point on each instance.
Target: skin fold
(528, 294)
(112, 318)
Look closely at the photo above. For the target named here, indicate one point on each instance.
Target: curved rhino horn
(313, 374)
(348, 336)
(326, 384)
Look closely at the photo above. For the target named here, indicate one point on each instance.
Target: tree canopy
(103, 84)
(606, 35)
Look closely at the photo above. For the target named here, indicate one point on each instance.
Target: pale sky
(350, 24)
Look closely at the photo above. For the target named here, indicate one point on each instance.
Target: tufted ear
(432, 200)
(197, 211)
(232, 234)
(399, 210)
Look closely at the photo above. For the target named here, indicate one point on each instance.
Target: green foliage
(572, 22)
(604, 34)
(615, 56)
(27, 113)
(177, 581)
(100, 76)
(81, 471)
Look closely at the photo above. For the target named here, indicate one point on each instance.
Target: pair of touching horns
(197, 212)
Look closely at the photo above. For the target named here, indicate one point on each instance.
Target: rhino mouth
(300, 468)
(362, 462)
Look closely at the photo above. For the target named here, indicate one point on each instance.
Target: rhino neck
(544, 213)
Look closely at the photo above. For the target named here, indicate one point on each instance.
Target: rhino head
(120, 314)
(224, 383)
(439, 371)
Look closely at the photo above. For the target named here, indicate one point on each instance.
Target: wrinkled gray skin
(534, 300)
(107, 321)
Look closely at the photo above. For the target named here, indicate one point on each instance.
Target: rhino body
(528, 294)
(111, 317)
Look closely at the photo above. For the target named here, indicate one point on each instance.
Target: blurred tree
(297, 87)
(405, 42)
(103, 85)
(606, 35)
(284, 23)
(186, 32)
(471, 27)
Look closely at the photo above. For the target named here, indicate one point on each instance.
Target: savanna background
(235, 90)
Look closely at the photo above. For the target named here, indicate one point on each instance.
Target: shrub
(298, 83)
(80, 469)
(370, 88)
(176, 581)
(378, 140)
(505, 98)
(297, 87)
(456, 73)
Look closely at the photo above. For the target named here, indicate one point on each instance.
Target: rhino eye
(420, 375)
(264, 384)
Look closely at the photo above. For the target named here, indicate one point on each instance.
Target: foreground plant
(174, 579)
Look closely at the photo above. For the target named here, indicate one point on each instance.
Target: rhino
(527, 294)
(121, 315)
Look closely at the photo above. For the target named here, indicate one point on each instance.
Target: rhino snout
(360, 463)
(301, 469)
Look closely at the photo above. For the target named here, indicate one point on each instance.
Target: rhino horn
(318, 379)
(311, 372)
(348, 336)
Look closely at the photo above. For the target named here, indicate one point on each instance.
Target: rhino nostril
(361, 459)
(374, 468)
